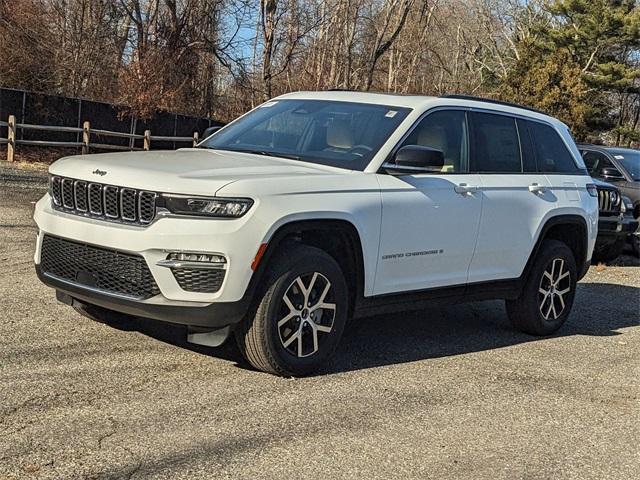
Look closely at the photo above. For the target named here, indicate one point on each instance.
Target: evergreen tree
(584, 66)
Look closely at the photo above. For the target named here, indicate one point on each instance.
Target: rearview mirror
(611, 173)
(413, 159)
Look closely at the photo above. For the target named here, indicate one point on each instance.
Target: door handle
(537, 188)
(463, 189)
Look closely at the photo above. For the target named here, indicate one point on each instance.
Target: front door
(430, 221)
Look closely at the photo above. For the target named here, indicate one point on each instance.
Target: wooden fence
(86, 144)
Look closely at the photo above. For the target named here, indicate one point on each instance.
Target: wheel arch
(339, 237)
(570, 229)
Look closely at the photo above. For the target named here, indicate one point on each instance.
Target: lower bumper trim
(214, 315)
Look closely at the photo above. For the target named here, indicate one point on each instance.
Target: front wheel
(634, 240)
(610, 252)
(300, 318)
(548, 293)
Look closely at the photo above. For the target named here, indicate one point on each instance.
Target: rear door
(515, 196)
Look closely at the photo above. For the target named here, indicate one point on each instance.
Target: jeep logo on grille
(97, 171)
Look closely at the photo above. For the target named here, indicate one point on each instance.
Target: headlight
(592, 189)
(207, 206)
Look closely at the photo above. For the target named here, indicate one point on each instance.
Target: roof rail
(490, 100)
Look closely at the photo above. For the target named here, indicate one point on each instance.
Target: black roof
(490, 100)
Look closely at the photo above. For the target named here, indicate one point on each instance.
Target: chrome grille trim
(144, 200)
(82, 205)
(67, 193)
(56, 190)
(124, 208)
(606, 204)
(112, 203)
(95, 199)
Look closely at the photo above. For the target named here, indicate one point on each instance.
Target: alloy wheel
(554, 285)
(306, 314)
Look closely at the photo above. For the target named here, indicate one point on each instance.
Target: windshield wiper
(264, 153)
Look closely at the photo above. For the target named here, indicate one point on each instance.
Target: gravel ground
(445, 394)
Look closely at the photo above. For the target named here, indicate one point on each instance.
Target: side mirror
(611, 173)
(210, 131)
(412, 159)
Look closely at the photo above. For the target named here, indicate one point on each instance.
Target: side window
(595, 162)
(496, 147)
(444, 130)
(552, 155)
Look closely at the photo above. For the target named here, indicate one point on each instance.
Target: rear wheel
(300, 318)
(548, 293)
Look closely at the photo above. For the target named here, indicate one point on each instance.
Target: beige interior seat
(339, 135)
(436, 137)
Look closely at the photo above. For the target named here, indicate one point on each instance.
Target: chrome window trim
(397, 146)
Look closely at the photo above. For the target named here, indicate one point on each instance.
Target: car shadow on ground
(600, 309)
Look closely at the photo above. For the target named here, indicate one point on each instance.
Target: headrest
(339, 134)
(434, 137)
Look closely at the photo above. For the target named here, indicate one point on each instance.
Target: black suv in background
(620, 167)
(615, 223)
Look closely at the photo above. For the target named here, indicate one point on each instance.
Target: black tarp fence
(40, 109)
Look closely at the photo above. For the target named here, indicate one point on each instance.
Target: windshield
(340, 134)
(630, 160)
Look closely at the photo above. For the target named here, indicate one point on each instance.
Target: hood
(189, 171)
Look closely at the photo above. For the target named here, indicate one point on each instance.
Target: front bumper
(630, 226)
(229, 238)
(614, 228)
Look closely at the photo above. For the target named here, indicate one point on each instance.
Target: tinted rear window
(552, 155)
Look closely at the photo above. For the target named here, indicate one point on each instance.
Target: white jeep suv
(316, 208)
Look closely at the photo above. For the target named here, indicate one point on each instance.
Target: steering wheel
(360, 147)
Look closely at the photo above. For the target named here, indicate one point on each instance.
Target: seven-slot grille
(99, 268)
(107, 202)
(608, 201)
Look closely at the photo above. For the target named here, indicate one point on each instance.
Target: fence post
(11, 137)
(147, 140)
(195, 138)
(86, 136)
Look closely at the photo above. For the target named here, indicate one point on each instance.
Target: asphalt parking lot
(447, 393)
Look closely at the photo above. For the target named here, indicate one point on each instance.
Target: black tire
(634, 240)
(260, 337)
(535, 313)
(609, 253)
